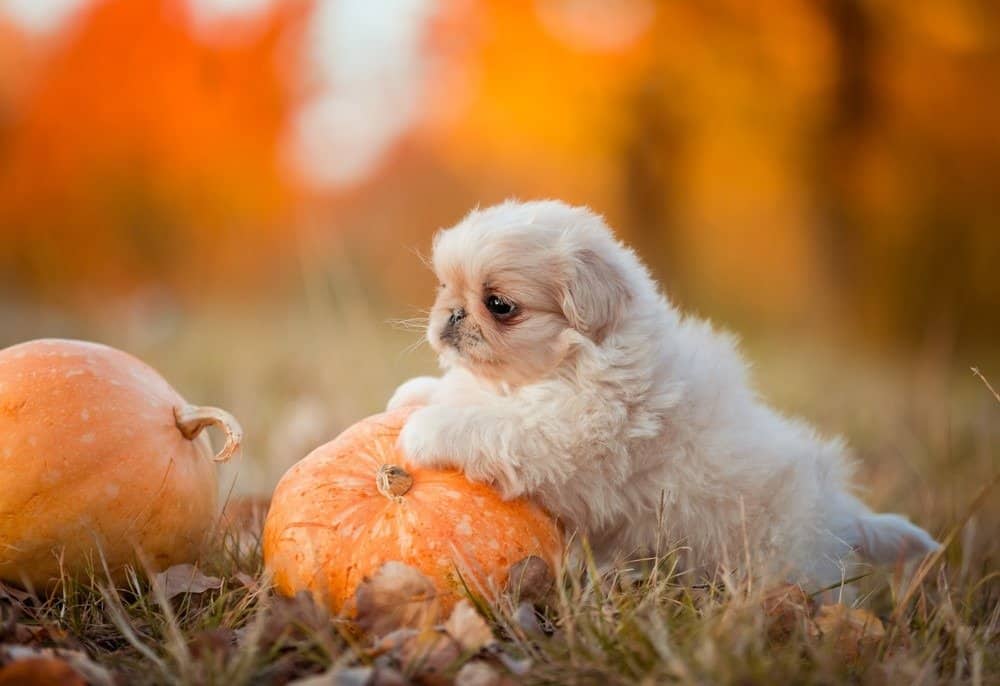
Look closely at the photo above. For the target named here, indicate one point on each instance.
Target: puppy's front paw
(424, 438)
(416, 391)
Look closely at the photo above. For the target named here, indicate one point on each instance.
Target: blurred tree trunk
(839, 144)
(649, 159)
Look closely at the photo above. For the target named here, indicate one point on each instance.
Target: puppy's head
(519, 282)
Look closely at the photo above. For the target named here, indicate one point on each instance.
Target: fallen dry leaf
(31, 634)
(184, 578)
(516, 666)
(468, 627)
(530, 579)
(531, 621)
(425, 655)
(91, 672)
(397, 596)
(341, 676)
(854, 630)
(429, 656)
(393, 641)
(786, 608)
(12, 630)
(387, 676)
(40, 671)
(526, 619)
(288, 620)
(478, 673)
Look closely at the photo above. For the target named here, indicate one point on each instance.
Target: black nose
(457, 315)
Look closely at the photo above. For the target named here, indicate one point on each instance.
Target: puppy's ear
(595, 294)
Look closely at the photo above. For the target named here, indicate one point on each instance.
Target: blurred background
(238, 192)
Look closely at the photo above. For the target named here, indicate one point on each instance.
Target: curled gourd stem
(191, 420)
(392, 481)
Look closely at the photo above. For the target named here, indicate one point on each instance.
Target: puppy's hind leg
(882, 538)
(889, 538)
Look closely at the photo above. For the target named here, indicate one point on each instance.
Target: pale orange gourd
(357, 502)
(99, 456)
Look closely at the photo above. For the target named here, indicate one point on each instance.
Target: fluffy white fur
(632, 423)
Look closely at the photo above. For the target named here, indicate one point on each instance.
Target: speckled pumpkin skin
(91, 456)
(329, 526)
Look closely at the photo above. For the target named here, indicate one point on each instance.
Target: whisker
(424, 259)
(412, 348)
(411, 324)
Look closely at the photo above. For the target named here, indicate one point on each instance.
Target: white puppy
(572, 380)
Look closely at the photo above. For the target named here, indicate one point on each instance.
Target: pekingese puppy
(570, 378)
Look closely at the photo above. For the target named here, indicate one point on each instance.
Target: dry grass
(925, 429)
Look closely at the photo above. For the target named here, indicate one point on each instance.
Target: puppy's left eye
(498, 307)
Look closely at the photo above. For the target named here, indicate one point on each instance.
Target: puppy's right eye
(498, 307)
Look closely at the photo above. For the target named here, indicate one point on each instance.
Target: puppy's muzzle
(450, 333)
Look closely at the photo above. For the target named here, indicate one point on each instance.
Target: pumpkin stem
(191, 420)
(392, 481)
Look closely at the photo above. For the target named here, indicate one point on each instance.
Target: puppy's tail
(887, 538)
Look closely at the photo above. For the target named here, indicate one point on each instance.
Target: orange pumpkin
(357, 502)
(98, 452)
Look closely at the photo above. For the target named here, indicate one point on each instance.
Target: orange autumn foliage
(143, 141)
(779, 160)
(785, 155)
